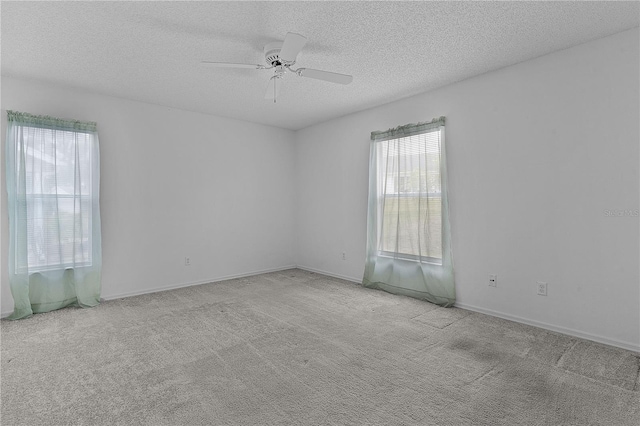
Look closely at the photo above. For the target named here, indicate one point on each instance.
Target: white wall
(174, 184)
(537, 152)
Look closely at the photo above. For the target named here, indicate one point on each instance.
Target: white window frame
(380, 216)
(64, 265)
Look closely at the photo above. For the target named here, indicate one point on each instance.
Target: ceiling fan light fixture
(272, 53)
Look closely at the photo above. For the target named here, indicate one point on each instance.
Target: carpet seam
(557, 364)
(635, 385)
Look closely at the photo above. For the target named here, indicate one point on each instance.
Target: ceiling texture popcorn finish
(151, 51)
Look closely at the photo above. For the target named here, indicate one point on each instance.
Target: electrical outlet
(187, 261)
(542, 288)
(344, 256)
(493, 280)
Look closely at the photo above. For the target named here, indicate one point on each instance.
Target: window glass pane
(405, 218)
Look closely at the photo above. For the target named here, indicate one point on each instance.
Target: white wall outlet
(344, 256)
(493, 280)
(187, 261)
(542, 288)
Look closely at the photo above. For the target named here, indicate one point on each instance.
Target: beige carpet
(297, 348)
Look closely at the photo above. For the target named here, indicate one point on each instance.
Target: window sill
(54, 268)
(417, 259)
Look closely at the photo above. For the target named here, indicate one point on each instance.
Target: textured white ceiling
(150, 51)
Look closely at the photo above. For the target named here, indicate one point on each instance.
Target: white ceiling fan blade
(333, 77)
(292, 45)
(229, 65)
(273, 89)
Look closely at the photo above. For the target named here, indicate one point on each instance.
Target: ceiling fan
(281, 56)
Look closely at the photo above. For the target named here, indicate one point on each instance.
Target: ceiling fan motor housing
(272, 52)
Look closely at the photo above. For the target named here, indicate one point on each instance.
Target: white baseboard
(192, 283)
(182, 285)
(559, 329)
(330, 274)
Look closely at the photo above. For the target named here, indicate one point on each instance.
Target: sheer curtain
(408, 230)
(53, 188)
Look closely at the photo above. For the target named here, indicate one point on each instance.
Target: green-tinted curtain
(53, 188)
(408, 230)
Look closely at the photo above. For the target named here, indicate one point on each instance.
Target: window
(56, 168)
(53, 199)
(409, 197)
(408, 228)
